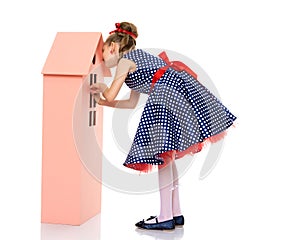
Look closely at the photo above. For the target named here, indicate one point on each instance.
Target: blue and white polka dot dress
(180, 113)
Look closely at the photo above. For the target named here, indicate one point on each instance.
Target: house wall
(70, 194)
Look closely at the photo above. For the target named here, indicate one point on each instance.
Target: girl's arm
(110, 93)
(128, 103)
(123, 67)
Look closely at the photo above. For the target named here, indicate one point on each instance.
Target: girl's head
(120, 41)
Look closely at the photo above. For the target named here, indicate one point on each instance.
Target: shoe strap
(150, 218)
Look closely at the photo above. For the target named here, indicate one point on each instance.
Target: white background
(250, 50)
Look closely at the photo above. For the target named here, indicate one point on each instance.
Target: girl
(179, 117)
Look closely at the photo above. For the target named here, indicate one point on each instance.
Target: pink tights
(169, 194)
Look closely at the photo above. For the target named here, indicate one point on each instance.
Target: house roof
(72, 53)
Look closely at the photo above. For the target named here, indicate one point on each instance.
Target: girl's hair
(126, 41)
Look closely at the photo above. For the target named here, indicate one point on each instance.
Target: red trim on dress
(167, 156)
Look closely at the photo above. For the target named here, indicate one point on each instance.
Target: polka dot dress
(180, 113)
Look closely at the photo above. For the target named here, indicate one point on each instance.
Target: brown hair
(126, 41)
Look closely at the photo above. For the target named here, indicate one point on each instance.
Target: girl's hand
(98, 99)
(98, 88)
(102, 102)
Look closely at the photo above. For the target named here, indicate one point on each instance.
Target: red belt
(176, 65)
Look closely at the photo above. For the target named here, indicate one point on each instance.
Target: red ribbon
(176, 65)
(121, 30)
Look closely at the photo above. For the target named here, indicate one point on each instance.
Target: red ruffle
(167, 156)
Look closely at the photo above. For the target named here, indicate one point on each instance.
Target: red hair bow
(121, 30)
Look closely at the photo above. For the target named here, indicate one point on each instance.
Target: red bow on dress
(176, 65)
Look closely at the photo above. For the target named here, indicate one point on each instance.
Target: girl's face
(111, 54)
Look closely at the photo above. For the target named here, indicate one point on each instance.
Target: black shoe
(165, 225)
(179, 220)
(138, 224)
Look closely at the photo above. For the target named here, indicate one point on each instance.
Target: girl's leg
(176, 210)
(165, 179)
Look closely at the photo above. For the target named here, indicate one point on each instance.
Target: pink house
(72, 129)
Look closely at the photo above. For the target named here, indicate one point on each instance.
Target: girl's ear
(112, 47)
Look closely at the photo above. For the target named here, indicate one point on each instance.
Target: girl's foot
(179, 220)
(138, 224)
(152, 223)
